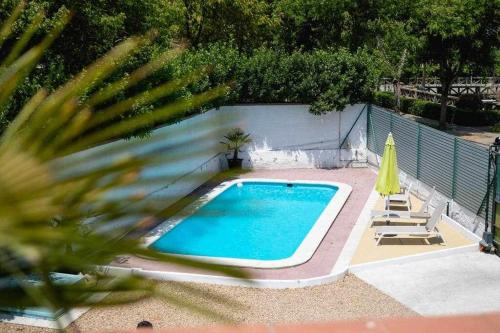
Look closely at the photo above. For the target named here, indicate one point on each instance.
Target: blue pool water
(259, 220)
(37, 312)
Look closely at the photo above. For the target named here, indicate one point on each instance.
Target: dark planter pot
(235, 163)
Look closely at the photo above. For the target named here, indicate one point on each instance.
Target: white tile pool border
(302, 254)
(338, 271)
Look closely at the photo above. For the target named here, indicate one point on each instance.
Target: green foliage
(470, 102)
(395, 46)
(431, 110)
(425, 109)
(312, 24)
(219, 63)
(496, 128)
(48, 190)
(329, 80)
(95, 27)
(392, 35)
(247, 23)
(345, 78)
(456, 34)
(384, 99)
(407, 104)
(327, 52)
(468, 117)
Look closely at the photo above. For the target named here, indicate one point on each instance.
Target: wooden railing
(430, 88)
(468, 80)
(488, 87)
(427, 95)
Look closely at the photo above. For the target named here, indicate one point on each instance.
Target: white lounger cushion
(429, 229)
(400, 214)
(421, 213)
(406, 230)
(398, 197)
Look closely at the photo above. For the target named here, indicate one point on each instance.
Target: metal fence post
(454, 174)
(418, 151)
(372, 140)
(368, 128)
(430, 165)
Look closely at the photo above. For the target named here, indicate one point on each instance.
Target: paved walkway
(457, 284)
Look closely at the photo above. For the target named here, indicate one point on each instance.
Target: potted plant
(234, 140)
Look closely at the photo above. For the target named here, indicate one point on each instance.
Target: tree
(248, 23)
(95, 27)
(455, 34)
(395, 47)
(47, 191)
(311, 24)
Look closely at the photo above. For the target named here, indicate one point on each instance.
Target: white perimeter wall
(288, 136)
(188, 153)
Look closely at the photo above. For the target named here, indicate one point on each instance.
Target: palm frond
(55, 194)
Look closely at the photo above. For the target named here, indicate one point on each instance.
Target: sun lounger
(421, 213)
(428, 230)
(400, 199)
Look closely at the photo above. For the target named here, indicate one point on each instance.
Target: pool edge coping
(304, 251)
(338, 271)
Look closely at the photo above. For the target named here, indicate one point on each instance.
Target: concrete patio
(391, 248)
(456, 284)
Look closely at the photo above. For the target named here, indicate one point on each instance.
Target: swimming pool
(254, 223)
(37, 312)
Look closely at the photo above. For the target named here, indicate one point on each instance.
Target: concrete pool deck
(324, 259)
(349, 244)
(464, 283)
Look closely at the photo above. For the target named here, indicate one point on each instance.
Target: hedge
(496, 128)
(328, 80)
(431, 110)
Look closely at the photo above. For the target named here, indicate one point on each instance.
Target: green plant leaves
(55, 200)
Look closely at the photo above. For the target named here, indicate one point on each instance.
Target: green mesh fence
(458, 168)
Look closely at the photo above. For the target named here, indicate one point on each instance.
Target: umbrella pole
(387, 205)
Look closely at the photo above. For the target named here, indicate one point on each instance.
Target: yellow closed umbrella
(388, 174)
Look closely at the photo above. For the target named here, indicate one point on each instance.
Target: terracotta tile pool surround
(361, 180)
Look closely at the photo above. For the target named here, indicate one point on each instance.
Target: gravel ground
(349, 298)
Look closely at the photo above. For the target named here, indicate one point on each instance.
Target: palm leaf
(51, 189)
